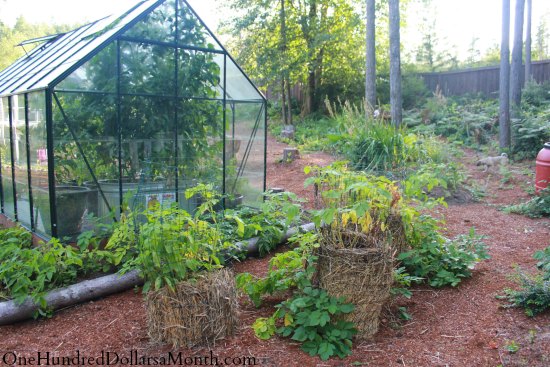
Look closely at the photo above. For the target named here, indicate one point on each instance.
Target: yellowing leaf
(345, 219)
(288, 319)
(365, 222)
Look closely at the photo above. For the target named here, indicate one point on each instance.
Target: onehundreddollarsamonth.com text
(112, 358)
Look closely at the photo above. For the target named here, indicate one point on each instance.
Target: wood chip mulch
(462, 326)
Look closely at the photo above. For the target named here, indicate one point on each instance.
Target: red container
(542, 175)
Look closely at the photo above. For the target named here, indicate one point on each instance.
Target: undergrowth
(536, 207)
(27, 271)
(534, 289)
(310, 315)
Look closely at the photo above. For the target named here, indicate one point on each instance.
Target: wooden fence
(478, 80)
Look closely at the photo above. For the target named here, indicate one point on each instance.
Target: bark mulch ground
(462, 326)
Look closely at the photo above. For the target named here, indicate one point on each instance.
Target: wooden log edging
(87, 290)
(11, 312)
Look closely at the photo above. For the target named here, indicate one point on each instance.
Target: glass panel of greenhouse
(127, 111)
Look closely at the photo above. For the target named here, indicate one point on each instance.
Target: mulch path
(462, 326)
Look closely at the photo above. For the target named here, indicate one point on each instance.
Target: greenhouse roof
(59, 55)
(56, 56)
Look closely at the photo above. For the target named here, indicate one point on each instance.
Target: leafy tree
(473, 53)
(324, 45)
(21, 31)
(431, 55)
(541, 40)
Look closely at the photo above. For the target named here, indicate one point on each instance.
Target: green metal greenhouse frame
(144, 104)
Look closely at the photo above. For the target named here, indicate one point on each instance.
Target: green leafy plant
(173, 245)
(404, 314)
(32, 271)
(287, 270)
(511, 346)
(16, 235)
(536, 207)
(468, 120)
(440, 260)
(403, 280)
(543, 261)
(311, 317)
(277, 213)
(28, 271)
(534, 292)
(264, 327)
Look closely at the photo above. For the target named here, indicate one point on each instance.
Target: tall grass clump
(373, 144)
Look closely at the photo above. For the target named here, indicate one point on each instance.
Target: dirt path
(463, 326)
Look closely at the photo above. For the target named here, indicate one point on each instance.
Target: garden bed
(463, 326)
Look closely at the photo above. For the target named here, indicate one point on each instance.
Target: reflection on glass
(5, 156)
(39, 163)
(148, 150)
(98, 74)
(200, 145)
(147, 69)
(199, 74)
(159, 25)
(20, 160)
(238, 86)
(245, 141)
(92, 120)
(190, 30)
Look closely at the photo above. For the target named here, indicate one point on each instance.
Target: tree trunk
(11, 312)
(528, 76)
(396, 100)
(318, 76)
(287, 118)
(517, 51)
(370, 79)
(283, 101)
(289, 98)
(504, 87)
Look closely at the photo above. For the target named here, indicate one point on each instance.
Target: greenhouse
(129, 110)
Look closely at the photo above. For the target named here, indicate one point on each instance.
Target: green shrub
(439, 260)
(312, 318)
(534, 292)
(535, 94)
(275, 215)
(310, 315)
(543, 262)
(530, 133)
(414, 91)
(537, 207)
(377, 148)
(32, 271)
(448, 176)
(173, 245)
